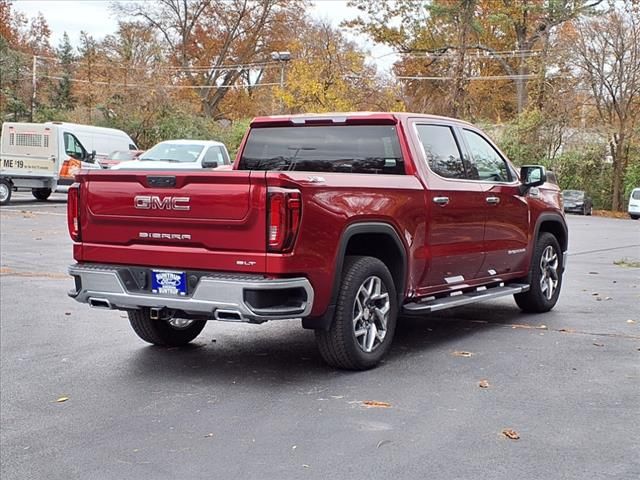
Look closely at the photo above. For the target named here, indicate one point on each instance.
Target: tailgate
(196, 220)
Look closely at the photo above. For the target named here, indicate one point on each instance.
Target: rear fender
(377, 228)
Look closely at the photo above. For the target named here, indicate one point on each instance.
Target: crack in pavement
(587, 252)
(560, 330)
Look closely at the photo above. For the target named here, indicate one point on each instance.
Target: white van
(634, 204)
(99, 139)
(44, 157)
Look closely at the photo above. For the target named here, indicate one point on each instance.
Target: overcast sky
(93, 16)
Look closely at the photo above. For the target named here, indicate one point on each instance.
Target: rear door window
(339, 148)
(441, 150)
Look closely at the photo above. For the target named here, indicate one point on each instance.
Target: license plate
(166, 282)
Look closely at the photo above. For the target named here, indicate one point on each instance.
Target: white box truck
(44, 157)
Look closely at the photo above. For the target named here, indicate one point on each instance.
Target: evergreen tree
(63, 97)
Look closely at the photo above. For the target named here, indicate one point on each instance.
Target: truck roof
(346, 116)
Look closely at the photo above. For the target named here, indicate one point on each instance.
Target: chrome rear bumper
(217, 296)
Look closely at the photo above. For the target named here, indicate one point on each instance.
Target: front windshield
(573, 194)
(173, 152)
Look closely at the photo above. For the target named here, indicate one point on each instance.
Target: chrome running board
(457, 299)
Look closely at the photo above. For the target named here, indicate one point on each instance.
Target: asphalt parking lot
(256, 402)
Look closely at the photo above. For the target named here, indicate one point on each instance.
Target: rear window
(341, 148)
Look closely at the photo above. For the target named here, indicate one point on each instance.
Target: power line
(479, 77)
(135, 85)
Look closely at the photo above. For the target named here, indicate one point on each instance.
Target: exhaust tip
(100, 303)
(228, 315)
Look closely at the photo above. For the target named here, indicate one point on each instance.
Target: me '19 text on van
(152, 202)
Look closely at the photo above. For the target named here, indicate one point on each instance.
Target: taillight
(285, 212)
(73, 212)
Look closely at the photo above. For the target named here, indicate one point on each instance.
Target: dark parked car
(577, 201)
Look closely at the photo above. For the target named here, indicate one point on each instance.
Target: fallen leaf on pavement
(512, 434)
(382, 442)
(67, 313)
(376, 404)
(208, 435)
(483, 383)
(458, 353)
(598, 344)
(595, 293)
(631, 321)
(62, 399)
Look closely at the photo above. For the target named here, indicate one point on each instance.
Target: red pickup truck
(345, 221)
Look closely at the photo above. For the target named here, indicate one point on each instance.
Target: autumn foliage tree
(608, 55)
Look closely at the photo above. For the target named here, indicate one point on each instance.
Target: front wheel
(41, 194)
(545, 276)
(365, 317)
(173, 332)
(5, 191)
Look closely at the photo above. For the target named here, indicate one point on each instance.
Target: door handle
(493, 200)
(442, 201)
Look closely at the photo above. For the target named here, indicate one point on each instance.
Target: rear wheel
(172, 332)
(41, 194)
(634, 217)
(365, 318)
(5, 191)
(545, 276)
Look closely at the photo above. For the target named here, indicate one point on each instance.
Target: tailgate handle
(164, 181)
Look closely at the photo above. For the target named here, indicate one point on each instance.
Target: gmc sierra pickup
(344, 221)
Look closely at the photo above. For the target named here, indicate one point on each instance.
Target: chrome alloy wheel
(4, 192)
(549, 272)
(371, 313)
(179, 323)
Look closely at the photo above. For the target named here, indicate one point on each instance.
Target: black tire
(339, 345)
(535, 300)
(41, 194)
(634, 217)
(6, 188)
(161, 332)
(590, 211)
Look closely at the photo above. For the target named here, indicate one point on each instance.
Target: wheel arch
(374, 239)
(555, 224)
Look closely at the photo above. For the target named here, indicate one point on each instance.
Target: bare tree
(212, 42)
(608, 55)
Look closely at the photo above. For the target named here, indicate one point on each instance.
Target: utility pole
(34, 84)
(283, 58)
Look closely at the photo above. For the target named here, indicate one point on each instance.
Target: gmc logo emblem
(153, 202)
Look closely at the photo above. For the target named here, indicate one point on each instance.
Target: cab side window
(73, 147)
(488, 165)
(441, 150)
(214, 154)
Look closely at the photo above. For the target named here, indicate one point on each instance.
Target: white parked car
(634, 204)
(180, 154)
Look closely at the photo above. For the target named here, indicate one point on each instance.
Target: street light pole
(283, 58)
